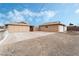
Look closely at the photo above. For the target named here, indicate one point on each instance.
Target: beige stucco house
(18, 27)
(24, 27)
(52, 27)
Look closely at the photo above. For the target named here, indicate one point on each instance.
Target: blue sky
(36, 14)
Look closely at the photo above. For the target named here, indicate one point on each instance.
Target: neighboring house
(2, 28)
(52, 27)
(24, 27)
(36, 28)
(18, 27)
(73, 28)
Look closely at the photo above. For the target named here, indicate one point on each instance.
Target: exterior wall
(52, 28)
(36, 29)
(65, 28)
(73, 28)
(17, 28)
(61, 28)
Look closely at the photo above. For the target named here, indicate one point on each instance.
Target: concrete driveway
(19, 36)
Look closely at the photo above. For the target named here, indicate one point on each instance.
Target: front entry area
(31, 28)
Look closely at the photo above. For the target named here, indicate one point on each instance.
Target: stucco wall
(35, 28)
(53, 28)
(62, 28)
(16, 28)
(65, 28)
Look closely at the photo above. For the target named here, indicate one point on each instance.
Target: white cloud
(15, 16)
(48, 13)
(28, 15)
(77, 11)
(27, 12)
(42, 16)
(10, 16)
(2, 19)
(18, 16)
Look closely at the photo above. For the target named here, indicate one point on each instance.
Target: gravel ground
(57, 44)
